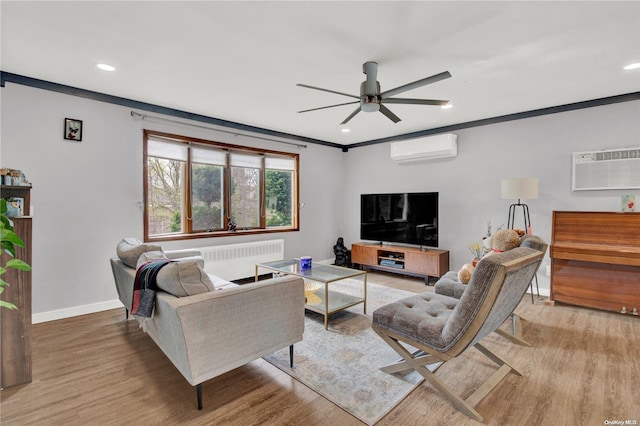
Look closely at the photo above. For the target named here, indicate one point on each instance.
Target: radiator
(236, 261)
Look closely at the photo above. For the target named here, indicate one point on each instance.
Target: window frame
(188, 232)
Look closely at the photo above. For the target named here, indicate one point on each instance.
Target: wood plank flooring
(98, 369)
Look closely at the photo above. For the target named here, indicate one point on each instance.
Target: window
(196, 188)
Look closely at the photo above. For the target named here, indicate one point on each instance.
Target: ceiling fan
(371, 100)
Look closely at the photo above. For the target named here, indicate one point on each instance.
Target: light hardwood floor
(99, 369)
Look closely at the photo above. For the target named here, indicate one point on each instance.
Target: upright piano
(595, 260)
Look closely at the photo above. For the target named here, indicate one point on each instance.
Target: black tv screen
(409, 218)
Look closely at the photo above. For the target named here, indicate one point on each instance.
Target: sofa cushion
(184, 279)
(130, 249)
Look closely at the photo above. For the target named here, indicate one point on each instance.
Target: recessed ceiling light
(345, 130)
(632, 66)
(447, 106)
(106, 67)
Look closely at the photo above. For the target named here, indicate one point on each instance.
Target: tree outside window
(202, 189)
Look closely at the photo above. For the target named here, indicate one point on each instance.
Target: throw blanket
(144, 287)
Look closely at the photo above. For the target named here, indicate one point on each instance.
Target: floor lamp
(520, 189)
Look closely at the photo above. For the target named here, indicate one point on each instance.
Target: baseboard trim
(75, 311)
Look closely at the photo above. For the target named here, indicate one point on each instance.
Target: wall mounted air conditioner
(606, 169)
(424, 149)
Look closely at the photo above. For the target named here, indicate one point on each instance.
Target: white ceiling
(240, 61)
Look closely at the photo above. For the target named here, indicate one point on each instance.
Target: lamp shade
(519, 188)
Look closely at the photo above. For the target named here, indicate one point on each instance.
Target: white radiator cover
(423, 149)
(606, 169)
(236, 261)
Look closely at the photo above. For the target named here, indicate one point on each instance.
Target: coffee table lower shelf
(321, 300)
(338, 301)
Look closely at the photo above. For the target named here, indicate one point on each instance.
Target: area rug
(342, 363)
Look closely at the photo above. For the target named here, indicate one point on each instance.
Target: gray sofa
(207, 334)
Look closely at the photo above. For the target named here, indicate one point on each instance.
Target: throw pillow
(130, 249)
(184, 279)
(149, 255)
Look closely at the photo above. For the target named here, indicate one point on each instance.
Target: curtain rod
(135, 114)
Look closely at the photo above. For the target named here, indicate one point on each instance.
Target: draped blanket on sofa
(144, 287)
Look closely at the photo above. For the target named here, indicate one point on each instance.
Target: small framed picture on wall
(72, 129)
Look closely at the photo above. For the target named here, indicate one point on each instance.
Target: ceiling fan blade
(353, 114)
(414, 101)
(327, 90)
(370, 69)
(330, 106)
(391, 116)
(415, 84)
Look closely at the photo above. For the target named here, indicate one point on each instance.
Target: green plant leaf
(8, 305)
(9, 249)
(18, 264)
(10, 236)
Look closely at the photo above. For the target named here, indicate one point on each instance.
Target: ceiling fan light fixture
(633, 66)
(371, 107)
(447, 106)
(369, 103)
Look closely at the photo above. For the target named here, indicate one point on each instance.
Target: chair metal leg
(537, 288)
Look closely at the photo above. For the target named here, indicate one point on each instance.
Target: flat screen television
(409, 218)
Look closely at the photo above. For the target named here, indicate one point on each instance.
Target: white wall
(469, 185)
(87, 195)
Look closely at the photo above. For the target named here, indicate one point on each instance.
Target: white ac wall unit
(424, 149)
(606, 169)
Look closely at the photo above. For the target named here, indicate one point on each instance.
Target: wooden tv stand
(411, 261)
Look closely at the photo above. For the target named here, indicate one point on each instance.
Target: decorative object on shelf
(310, 287)
(13, 177)
(519, 188)
(628, 203)
(73, 129)
(15, 207)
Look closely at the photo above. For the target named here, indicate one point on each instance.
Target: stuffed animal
(504, 240)
(464, 274)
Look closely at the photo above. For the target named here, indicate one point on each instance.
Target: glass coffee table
(320, 275)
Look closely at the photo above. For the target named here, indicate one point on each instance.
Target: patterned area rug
(342, 363)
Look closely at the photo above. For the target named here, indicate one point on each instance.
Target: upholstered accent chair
(449, 285)
(443, 328)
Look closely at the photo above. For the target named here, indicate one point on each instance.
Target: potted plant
(9, 243)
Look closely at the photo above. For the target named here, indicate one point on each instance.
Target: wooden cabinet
(595, 260)
(403, 260)
(15, 325)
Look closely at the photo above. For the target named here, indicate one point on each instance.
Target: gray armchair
(449, 285)
(443, 327)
